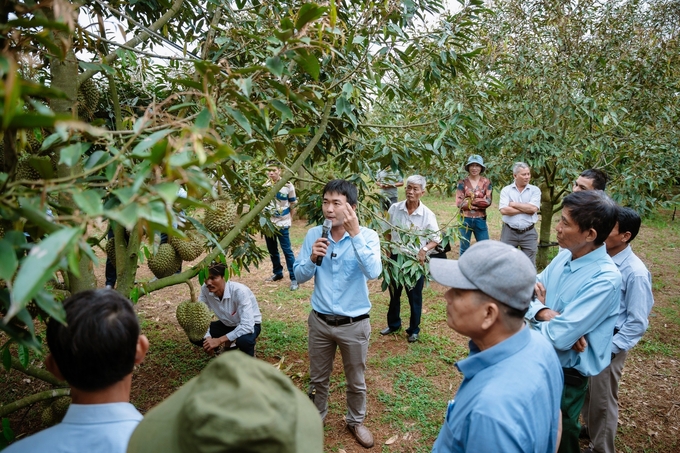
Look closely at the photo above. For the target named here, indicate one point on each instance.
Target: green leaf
(7, 358)
(203, 119)
(9, 262)
(148, 142)
(134, 294)
(31, 120)
(282, 107)
(201, 277)
(7, 432)
(70, 155)
(89, 201)
(245, 85)
(167, 191)
(308, 13)
(52, 307)
(309, 62)
(23, 355)
(96, 158)
(37, 268)
(240, 119)
(275, 66)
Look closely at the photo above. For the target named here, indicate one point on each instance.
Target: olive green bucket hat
(236, 404)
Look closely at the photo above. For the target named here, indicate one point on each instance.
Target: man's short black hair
(98, 345)
(217, 270)
(629, 220)
(273, 163)
(592, 209)
(598, 177)
(343, 187)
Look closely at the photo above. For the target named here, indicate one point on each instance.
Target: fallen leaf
(392, 439)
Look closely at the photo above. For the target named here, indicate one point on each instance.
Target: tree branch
(140, 38)
(38, 373)
(30, 400)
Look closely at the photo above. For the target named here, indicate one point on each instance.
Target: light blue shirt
(509, 400)
(636, 300)
(101, 428)
(340, 286)
(585, 292)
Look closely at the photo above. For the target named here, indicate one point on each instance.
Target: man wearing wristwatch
(412, 215)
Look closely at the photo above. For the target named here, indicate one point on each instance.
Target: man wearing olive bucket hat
(473, 196)
(509, 399)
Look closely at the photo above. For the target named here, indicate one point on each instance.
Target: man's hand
(546, 314)
(422, 256)
(580, 345)
(351, 221)
(210, 344)
(539, 290)
(319, 248)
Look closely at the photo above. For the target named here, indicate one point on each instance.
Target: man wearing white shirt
(519, 205)
(412, 215)
(238, 315)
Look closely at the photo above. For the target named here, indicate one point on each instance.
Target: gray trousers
(324, 340)
(527, 241)
(601, 408)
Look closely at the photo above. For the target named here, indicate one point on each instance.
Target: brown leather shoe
(362, 434)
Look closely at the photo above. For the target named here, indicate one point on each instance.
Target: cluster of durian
(221, 215)
(88, 100)
(194, 318)
(55, 410)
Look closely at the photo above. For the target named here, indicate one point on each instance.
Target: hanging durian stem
(192, 291)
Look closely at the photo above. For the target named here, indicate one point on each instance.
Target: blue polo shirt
(340, 283)
(586, 292)
(509, 400)
(101, 428)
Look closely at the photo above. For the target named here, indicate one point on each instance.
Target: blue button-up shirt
(340, 286)
(585, 292)
(509, 400)
(636, 300)
(104, 428)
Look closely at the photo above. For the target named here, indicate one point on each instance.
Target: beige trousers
(352, 340)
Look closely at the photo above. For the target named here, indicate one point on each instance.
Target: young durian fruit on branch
(165, 262)
(221, 215)
(193, 316)
(190, 248)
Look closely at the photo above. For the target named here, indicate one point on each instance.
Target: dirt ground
(649, 398)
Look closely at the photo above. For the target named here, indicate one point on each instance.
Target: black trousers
(245, 343)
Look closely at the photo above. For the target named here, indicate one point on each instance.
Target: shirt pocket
(349, 269)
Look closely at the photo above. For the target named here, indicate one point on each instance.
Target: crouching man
(238, 315)
(509, 400)
(95, 353)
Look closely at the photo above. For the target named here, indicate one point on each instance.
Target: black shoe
(584, 434)
(274, 278)
(412, 338)
(389, 330)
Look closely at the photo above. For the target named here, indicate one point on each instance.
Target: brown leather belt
(333, 320)
(520, 231)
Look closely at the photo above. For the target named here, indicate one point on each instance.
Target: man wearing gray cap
(509, 400)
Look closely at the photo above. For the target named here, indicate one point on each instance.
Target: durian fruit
(165, 262)
(193, 317)
(88, 100)
(25, 170)
(190, 248)
(47, 417)
(111, 249)
(219, 218)
(59, 407)
(35, 310)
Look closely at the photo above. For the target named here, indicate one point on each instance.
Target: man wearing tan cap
(509, 399)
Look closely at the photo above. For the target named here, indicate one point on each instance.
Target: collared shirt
(104, 428)
(237, 307)
(279, 208)
(586, 293)
(531, 194)
(636, 300)
(340, 283)
(422, 219)
(389, 177)
(509, 400)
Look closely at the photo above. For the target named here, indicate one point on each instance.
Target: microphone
(326, 229)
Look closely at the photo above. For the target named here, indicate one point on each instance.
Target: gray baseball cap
(498, 270)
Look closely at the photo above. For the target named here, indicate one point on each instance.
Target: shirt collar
(588, 258)
(622, 256)
(418, 211)
(84, 414)
(480, 360)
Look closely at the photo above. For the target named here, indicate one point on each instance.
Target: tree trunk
(127, 259)
(547, 206)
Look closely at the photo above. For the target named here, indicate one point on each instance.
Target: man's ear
(142, 348)
(491, 313)
(52, 367)
(626, 236)
(592, 235)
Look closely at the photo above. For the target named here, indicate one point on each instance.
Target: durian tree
(255, 80)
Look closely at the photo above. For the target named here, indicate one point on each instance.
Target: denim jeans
(472, 225)
(283, 239)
